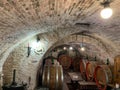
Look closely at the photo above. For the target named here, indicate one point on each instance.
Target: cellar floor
(80, 84)
(67, 82)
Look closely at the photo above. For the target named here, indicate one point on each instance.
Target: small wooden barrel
(103, 76)
(76, 64)
(90, 68)
(49, 62)
(83, 68)
(53, 77)
(65, 61)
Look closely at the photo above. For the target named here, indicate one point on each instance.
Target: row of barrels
(96, 71)
(90, 71)
(65, 61)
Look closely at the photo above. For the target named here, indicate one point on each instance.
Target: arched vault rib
(90, 38)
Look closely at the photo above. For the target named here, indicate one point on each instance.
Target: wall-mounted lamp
(38, 38)
(28, 50)
(107, 11)
(33, 46)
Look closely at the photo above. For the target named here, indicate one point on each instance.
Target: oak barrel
(50, 60)
(103, 76)
(83, 68)
(53, 77)
(90, 68)
(65, 61)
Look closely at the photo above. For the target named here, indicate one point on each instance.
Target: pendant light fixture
(82, 48)
(107, 11)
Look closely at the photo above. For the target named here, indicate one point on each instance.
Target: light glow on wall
(35, 45)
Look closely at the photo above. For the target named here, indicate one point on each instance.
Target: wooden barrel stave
(103, 76)
(83, 68)
(53, 77)
(45, 74)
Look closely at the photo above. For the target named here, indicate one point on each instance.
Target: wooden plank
(86, 83)
(83, 85)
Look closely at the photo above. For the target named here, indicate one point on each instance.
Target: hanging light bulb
(71, 48)
(106, 13)
(64, 48)
(82, 48)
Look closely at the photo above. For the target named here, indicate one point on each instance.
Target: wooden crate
(117, 69)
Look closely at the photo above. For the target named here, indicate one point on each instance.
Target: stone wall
(26, 67)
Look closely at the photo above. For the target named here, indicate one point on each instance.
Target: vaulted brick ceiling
(20, 19)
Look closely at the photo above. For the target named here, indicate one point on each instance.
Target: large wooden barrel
(76, 64)
(83, 68)
(53, 77)
(65, 61)
(103, 76)
(90, 68)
